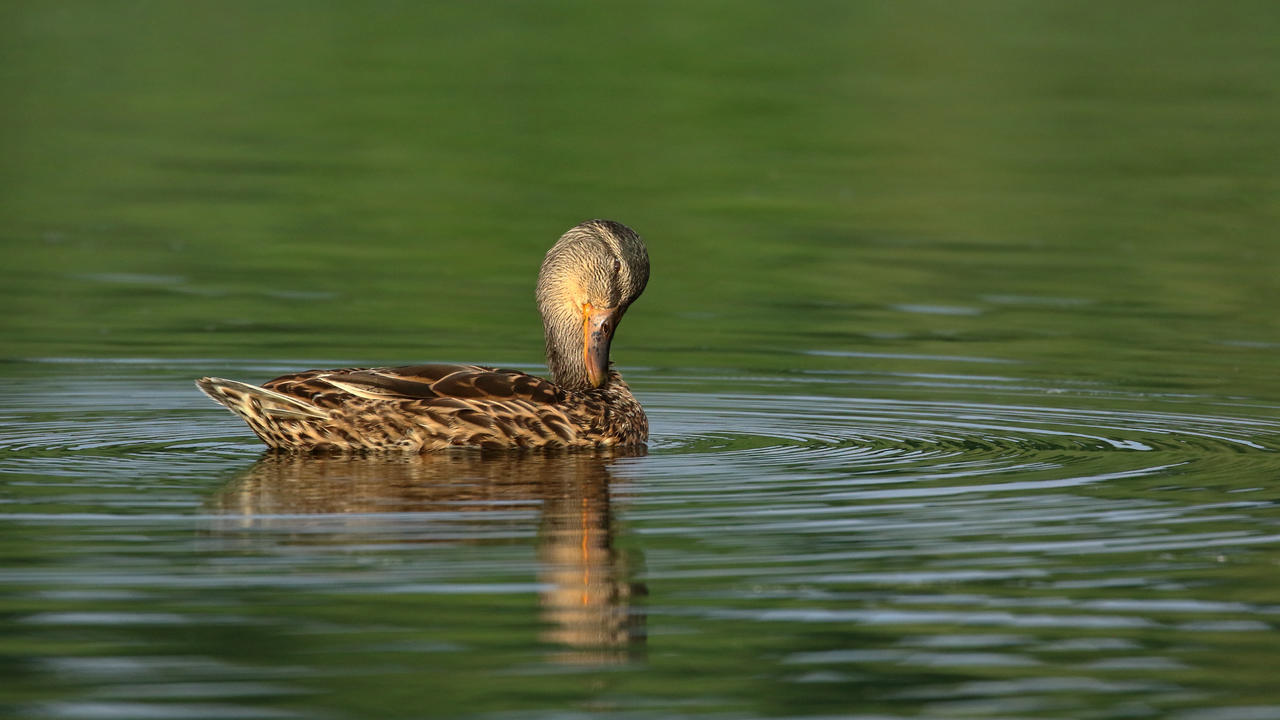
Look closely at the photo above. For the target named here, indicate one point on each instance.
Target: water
(959, 355)
(777, 551)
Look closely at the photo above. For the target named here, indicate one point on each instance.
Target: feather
(428, 407)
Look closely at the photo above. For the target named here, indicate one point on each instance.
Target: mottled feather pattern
(587, 281)
(431, 407)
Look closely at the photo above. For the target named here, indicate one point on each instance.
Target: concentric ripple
(124, 416)
(896, 427)
(966, 552)
(878, 442)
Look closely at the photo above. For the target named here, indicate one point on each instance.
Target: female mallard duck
(588, 279)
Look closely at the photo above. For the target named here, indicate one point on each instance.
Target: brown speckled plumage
(586, 283)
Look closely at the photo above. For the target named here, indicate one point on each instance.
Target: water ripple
(982, 557)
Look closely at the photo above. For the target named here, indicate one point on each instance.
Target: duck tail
(254, 403)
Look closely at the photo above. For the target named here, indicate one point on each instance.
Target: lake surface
(960, 355)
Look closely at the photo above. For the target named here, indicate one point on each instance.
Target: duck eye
(617, 266)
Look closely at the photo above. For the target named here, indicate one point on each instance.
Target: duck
(587, 281)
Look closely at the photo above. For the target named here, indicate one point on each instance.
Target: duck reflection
(587, 602)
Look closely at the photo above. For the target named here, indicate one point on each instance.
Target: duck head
(588, 279)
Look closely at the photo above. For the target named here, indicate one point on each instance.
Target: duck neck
(565, 359)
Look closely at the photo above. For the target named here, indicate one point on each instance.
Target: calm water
(960, 355)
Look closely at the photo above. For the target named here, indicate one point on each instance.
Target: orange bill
(597, 333)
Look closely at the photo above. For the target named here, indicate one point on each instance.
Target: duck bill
(597, 332)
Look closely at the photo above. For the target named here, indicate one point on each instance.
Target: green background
(1090, 188)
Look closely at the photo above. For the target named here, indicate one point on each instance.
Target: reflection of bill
(587, 602)
(587, 595)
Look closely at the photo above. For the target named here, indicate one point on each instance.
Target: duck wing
(421, 407)
(436, 382)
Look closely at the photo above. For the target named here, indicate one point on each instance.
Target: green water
(960, 349)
